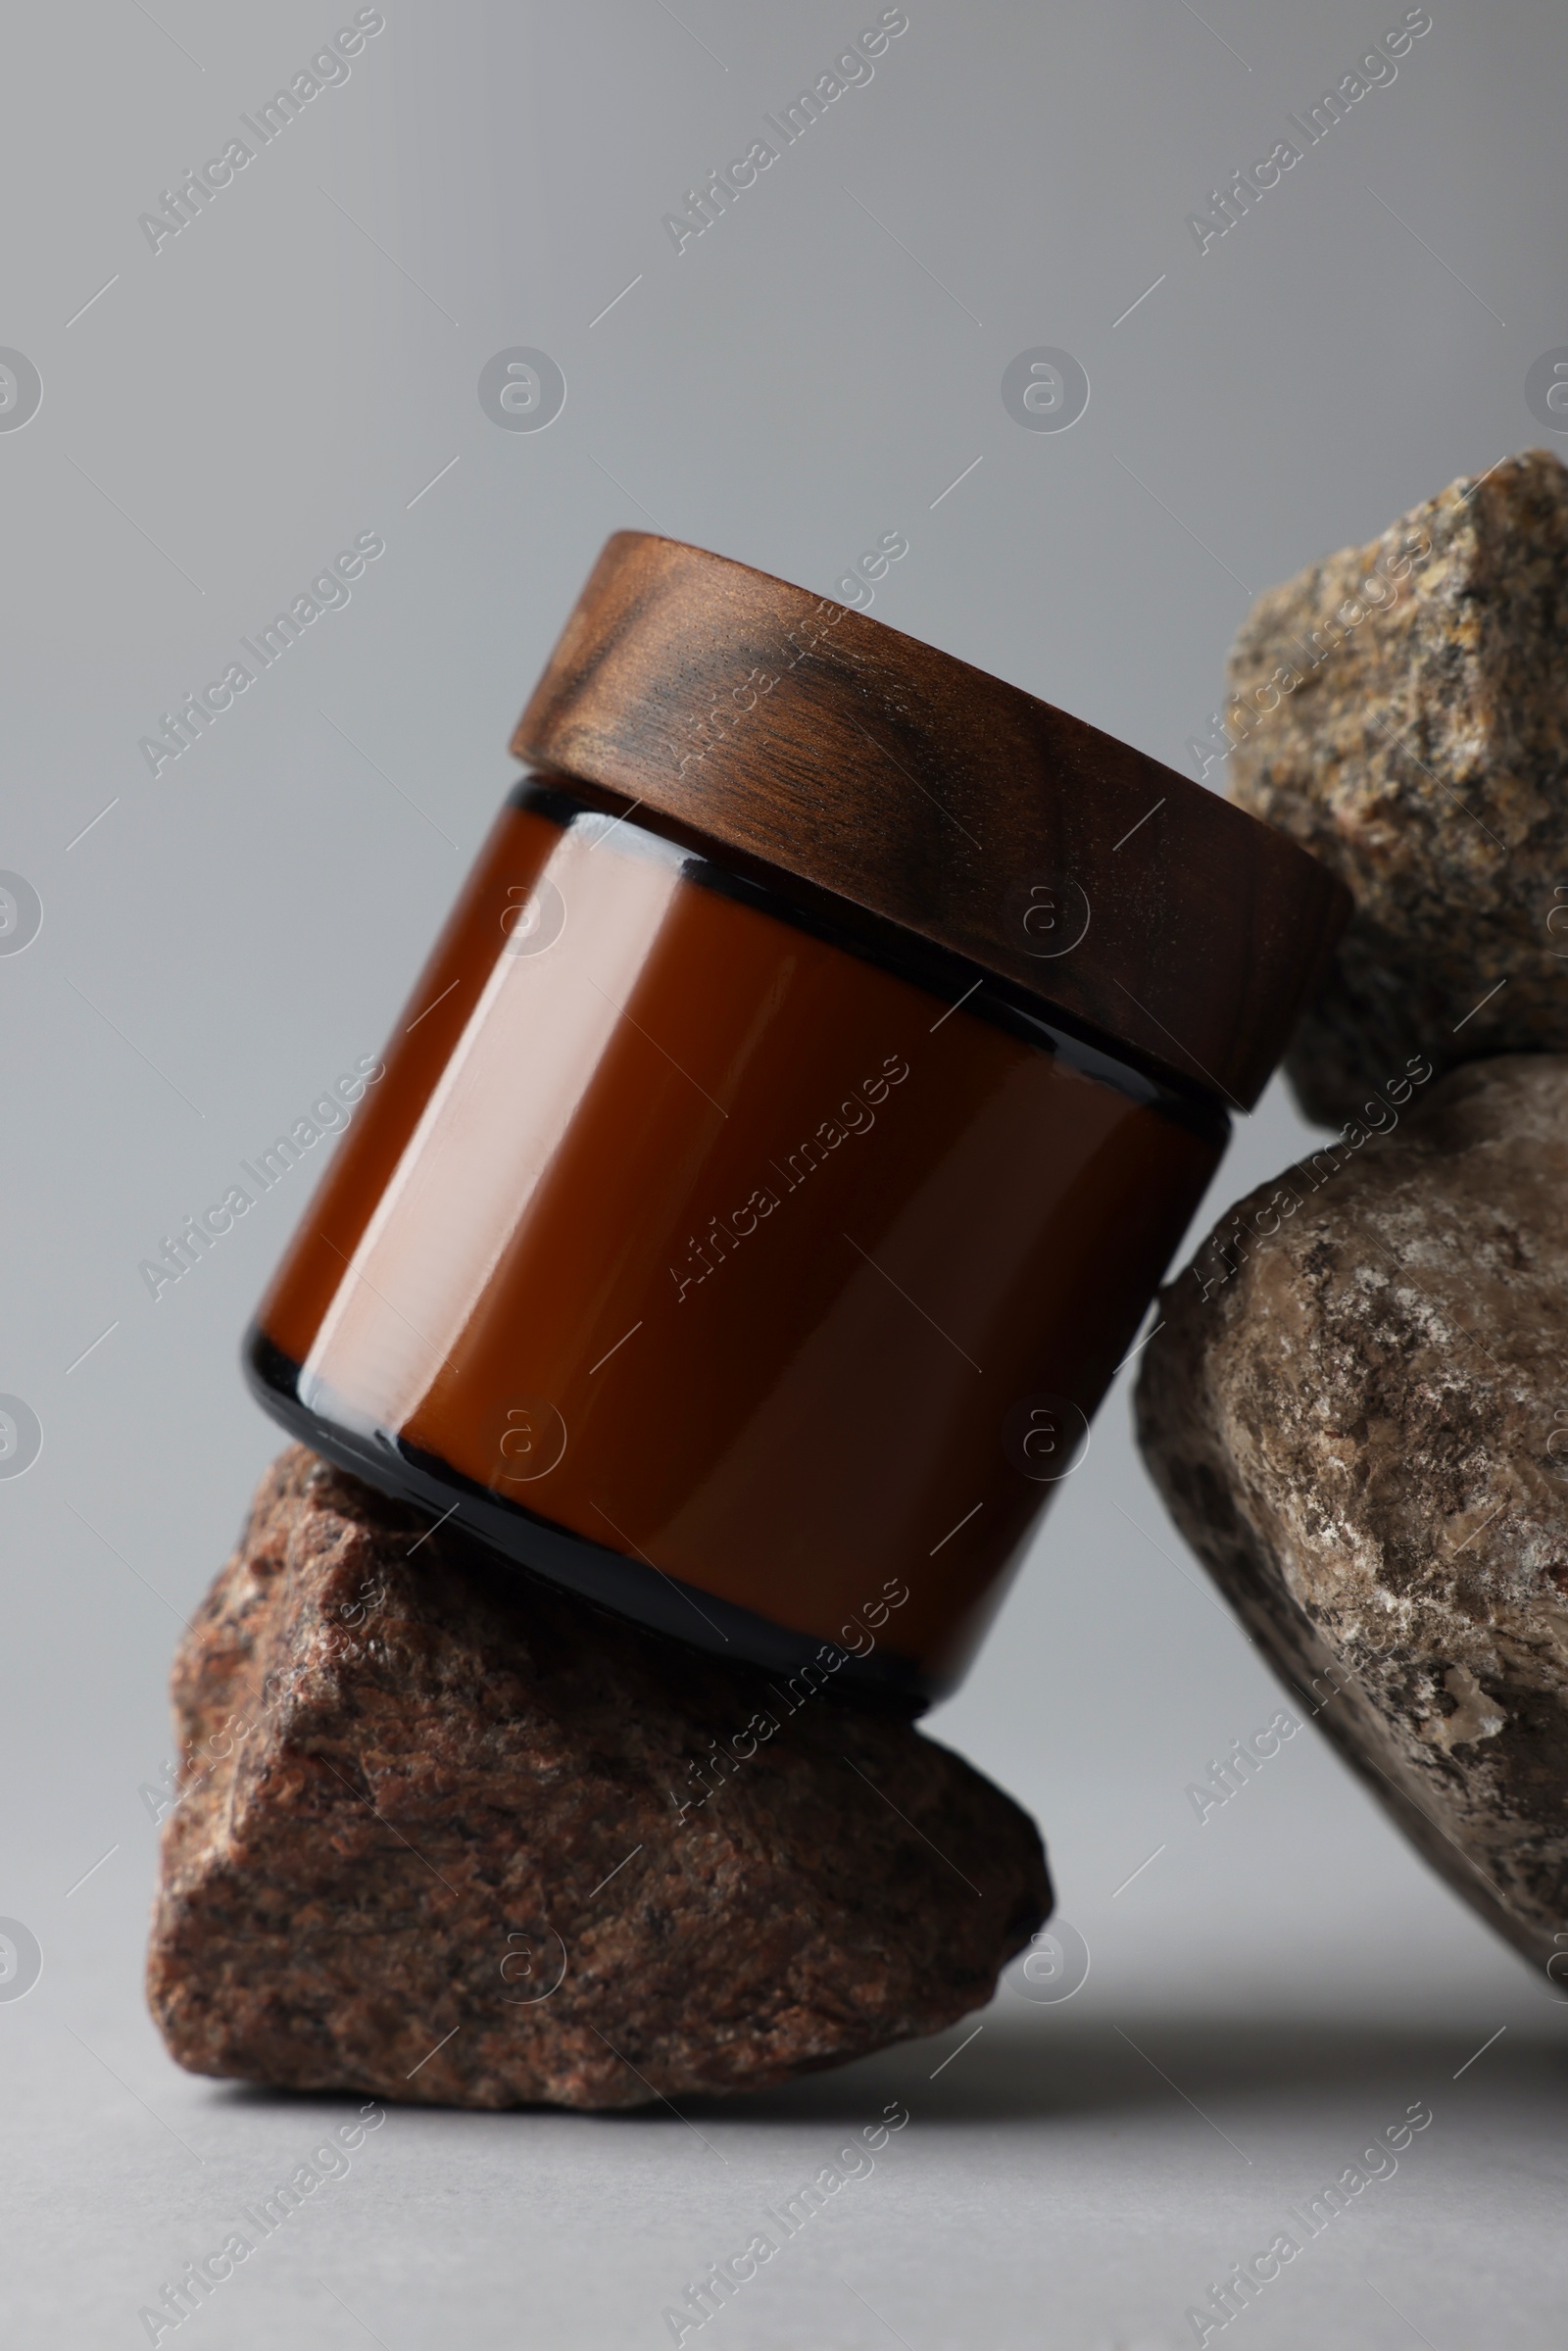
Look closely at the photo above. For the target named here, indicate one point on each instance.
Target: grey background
(295, 367)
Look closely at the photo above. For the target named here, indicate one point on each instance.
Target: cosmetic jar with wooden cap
(780, 1149)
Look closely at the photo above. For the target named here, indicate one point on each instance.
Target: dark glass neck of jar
(950, 978)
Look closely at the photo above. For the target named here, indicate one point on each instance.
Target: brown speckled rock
(1423, 756)
(1364, 1433)
(417, 1790)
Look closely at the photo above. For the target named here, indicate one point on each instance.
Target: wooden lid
(800, 737)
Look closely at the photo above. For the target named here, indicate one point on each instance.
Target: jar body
(698, 1260)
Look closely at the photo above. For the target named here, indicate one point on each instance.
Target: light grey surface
(814, 370)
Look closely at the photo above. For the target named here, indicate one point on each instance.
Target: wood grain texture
(847, 758)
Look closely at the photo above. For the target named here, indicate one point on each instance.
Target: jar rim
(949, 979)
(843, 756)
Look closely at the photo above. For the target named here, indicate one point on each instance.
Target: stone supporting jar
(780, 1149)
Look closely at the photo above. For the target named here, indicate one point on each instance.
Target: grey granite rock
(1358, 1414)
(1403, 711)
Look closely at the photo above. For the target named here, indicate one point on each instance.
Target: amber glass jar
(748, 1252)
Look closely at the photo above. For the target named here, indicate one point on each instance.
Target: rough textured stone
(1423, 755)
(1363, 1432)
(407, 1771)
